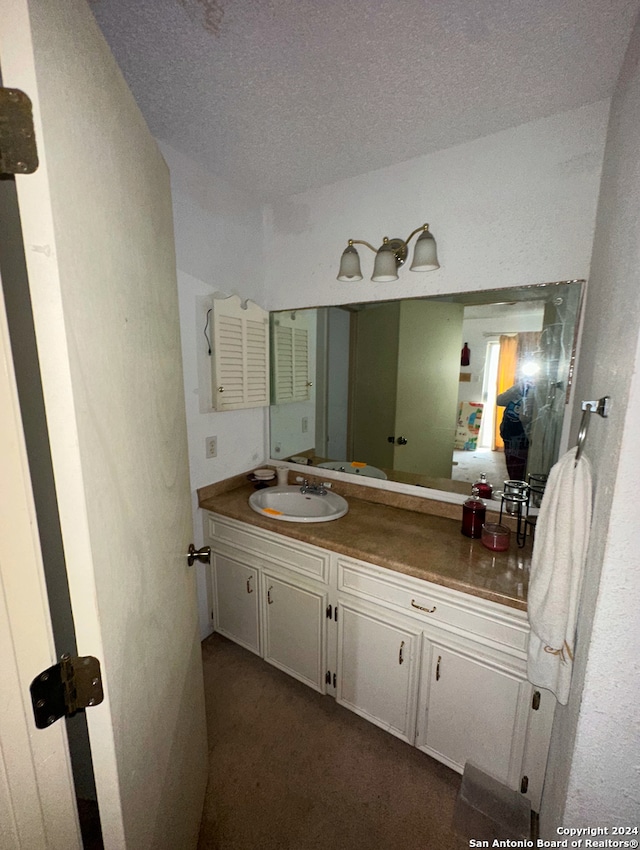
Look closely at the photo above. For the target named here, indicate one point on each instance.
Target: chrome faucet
(319, 489)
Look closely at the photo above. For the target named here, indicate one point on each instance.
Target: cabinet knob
(402, 441)
(220, 389)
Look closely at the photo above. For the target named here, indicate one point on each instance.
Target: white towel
(557, 565)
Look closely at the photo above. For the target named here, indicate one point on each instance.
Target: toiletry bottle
(483, 487)
(473, 514)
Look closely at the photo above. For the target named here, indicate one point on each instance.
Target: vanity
(395, 614)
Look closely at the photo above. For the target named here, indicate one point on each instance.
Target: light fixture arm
(362, 242)
(422, 229)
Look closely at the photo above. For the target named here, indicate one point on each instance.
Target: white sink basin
(354, 468)
(288, 504)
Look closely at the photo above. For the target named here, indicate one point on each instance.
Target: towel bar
(599, 406)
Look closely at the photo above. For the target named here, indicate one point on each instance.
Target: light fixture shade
(425, 258)
(350, 265)
(385, 269)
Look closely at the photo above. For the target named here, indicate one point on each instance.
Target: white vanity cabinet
(270, 595)
(463, 694)
(377, 668)
(236, 607)
(294, 636)
(473, 707)
(441, 669)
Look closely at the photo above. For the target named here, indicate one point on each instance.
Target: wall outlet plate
(211, 446)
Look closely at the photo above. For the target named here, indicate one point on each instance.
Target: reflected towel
(557, 565)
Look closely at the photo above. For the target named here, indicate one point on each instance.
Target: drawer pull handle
(401, 653)
(438, 668)
(269, 599)
(422, 608)
(249, 588)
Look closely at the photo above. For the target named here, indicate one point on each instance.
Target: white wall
(218, 234)
(510, 209)
(594, 764)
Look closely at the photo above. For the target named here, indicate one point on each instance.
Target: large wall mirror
(416, 390)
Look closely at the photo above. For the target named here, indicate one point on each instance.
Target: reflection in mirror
(426, 391)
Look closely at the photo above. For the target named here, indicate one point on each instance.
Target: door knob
(203, 555)
(402, 441)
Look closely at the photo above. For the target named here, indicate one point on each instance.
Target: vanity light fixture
(390, 256)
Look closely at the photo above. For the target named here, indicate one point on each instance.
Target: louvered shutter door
(257, 362)
(300, 364)
(240, 367)
(291, 367)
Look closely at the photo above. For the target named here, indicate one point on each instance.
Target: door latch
(203, 555)
(65, 688)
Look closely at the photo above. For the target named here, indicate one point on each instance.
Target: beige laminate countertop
(412, 542)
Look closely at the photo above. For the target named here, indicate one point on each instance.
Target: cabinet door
(472, 708)
(290, 357)
(240, 362)
(236, 611)
(294, 634)
(377, 669)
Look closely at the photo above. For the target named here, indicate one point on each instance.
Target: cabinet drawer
(284, 551)
(433, 604)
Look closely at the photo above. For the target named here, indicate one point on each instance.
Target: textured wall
(218, 249)
(514, 208)
(218, 234)
(595, 757)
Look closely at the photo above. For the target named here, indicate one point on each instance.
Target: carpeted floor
(292, 770)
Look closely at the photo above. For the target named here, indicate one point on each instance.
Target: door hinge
(18, 152)
(65, 688)
(524, 785)
(329, 612)
(535, 701)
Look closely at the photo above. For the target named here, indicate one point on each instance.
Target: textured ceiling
(277, 96)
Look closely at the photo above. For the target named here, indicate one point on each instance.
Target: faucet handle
(327, 485)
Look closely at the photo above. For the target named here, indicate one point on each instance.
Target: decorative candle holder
(496, 537)
(537, 483)
(513, 500)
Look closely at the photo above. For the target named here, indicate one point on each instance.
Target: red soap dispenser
(483, 487)
(474, 512)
